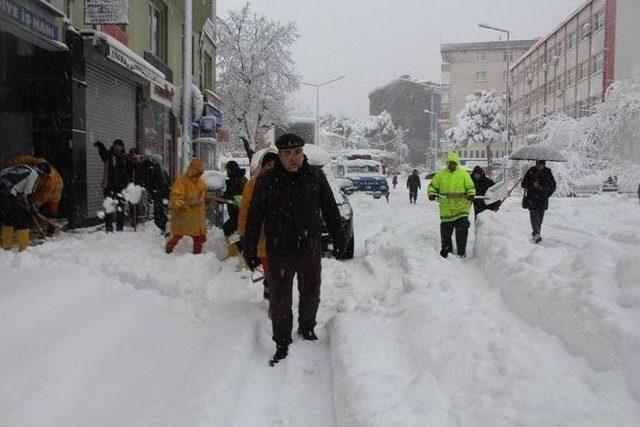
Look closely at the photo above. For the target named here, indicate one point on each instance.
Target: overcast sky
(374, 41)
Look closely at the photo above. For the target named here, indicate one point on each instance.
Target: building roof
(460, 47)
(555, 30)
(407, 79)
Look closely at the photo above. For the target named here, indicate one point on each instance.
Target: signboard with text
(106, 11)
(31, 21)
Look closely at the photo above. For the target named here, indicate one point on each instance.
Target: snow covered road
(110, 331)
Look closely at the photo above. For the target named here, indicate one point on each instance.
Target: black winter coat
(117, 166)
(538, 198)
(482, 185)
(413, 182)
(154, 179)
(293, 206)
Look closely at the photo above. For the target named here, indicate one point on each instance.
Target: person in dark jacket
(148, 173)
(293, 200)
(413, 184)
(234, 186)
(482, 183)
(115, 179)
(539, 185)
(394, 181)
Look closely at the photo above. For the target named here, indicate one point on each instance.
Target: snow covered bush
(256, 71)
(607, 143)
(481, 120)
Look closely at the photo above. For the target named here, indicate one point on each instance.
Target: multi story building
(468, 68)
(570, 69)
(406, 100)
(66, 83)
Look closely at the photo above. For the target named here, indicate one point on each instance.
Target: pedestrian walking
(18, 186)
(292, 201)
(234, 186)
(267, 162)
(413, 184)
(187, 200)
(115, 179)
(455, 190)
(482, 183)
(539, 184)
(394, 181)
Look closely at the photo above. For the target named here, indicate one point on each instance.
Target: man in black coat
(413, 184)
(482, 183)
(293, 201)
(115, 179)
(147, 172)
(539, 185)
(234, 187)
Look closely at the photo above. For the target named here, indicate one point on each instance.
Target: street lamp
(318, 86)
(434, 136)
(507, 98)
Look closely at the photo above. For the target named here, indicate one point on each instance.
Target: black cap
(289, 140)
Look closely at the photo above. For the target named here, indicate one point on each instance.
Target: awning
(31, 26)
(210, 110)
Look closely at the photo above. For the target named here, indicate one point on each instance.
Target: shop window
(158, 30)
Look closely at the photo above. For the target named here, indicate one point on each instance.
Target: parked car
(366, 176)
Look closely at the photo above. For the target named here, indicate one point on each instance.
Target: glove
(251, 259)
(432, 197)
(470, 197)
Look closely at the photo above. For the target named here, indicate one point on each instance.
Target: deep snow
(108, 330)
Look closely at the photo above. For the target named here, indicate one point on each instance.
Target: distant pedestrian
(482, 183)
(455, 190)
(413, 184)
(115, 179)
(638, 193)
(539, 184)
(293, 202)
(235, 183)
(188, 196)
(394, 181)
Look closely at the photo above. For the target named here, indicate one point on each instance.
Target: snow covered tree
(481, 120)
(603, 144)
(256, 71)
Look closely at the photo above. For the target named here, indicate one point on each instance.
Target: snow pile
(316, 155)
(133, 193)
(581, 284)
(214, 180)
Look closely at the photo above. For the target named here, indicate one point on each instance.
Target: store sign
(162, 93)
(133, 65)
(106, 11)
(27, 19)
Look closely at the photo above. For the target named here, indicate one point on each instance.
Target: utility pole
(187, 74)
(318, 86)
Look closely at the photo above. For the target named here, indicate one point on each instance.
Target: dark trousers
(413, 195)
(308, 269)
(160, 213)
(118, 215)
(536, 216)
(12, 213)
(461, 227)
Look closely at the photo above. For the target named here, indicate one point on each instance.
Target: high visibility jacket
(454, 188)
(187, 201)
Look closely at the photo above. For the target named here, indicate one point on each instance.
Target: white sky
(375, 41)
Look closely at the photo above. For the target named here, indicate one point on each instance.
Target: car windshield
(363, 169)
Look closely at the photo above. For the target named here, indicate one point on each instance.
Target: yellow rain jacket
(187, 201)
(49, 189)
(454, 188)
(247, 195)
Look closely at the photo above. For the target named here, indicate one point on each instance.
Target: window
(598, 20)
(585, 31)
(464, 153)
(571, 77)
(597, 63)
(559, 48)
(446, 56)
(481, 76)
(481, 56)
(560, 83)
(583, 70)
(207, 71)
(158, 30)
(477, 153)
(482, 153)
(445, 98)
(511, 56)
(571, 40)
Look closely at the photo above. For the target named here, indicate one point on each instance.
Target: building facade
(468, 68)
(74, 83)
(406, 100)
(570, 69)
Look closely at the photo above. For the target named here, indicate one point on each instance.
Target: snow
(214, 180)
(107, 330)
(133, 193)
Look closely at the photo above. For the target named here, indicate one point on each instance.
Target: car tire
(348, 253)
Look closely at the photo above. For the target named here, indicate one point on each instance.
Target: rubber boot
(7, 235)
(281, 353)
(23, 239)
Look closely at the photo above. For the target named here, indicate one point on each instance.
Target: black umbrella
(537, 152)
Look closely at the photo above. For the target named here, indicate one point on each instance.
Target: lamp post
(434, 136)
(507, 145)
(318, 86)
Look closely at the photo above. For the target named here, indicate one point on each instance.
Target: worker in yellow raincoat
(187, 203)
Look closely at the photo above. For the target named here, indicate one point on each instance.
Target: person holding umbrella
(539, 184)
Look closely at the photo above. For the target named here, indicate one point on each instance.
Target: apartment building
(471, 67)
(571, 68)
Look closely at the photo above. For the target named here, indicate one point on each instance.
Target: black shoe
(281, 353)
(444, 253)
(307, 334)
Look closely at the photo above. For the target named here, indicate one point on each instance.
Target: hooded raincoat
(187, 201)
(454, 188)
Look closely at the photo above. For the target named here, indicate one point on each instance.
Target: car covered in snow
(365, 174)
